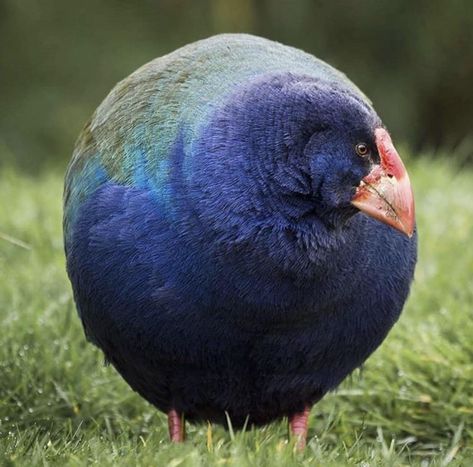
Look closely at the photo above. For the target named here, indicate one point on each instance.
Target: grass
(411, 405)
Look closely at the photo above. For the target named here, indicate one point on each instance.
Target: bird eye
(362, 149)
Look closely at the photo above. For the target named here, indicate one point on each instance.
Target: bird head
(348, 157)
(305, 151)
(355, 167)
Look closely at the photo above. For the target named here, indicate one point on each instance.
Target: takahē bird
(239, 231)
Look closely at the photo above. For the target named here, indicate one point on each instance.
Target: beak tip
(409, 232)
(410, 226)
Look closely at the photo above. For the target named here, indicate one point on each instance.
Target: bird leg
(176, 425)
(298, 427)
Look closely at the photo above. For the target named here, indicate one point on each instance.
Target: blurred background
(58, 60)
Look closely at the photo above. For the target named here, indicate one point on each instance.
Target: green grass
(411, 405)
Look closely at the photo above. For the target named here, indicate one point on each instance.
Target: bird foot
(177, 427)
(298, 425)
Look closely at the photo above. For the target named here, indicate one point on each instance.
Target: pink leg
(298, 426)
(177, 428)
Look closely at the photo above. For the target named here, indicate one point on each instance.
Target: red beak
(385, 193)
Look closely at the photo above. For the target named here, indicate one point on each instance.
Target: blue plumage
(231, 272)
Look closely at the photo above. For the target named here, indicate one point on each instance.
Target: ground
(412, 404)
